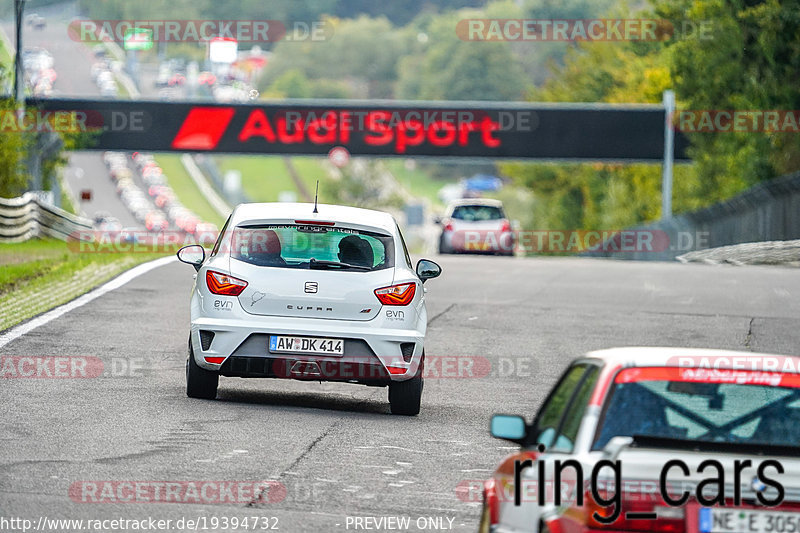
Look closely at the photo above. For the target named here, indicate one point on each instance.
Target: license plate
(478, 246)
(281, 343)
(747, 521)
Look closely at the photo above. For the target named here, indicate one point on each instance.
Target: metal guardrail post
(19, 75)
(669, 155)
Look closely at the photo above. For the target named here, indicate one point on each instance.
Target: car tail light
(506, 226)
(223, 284)
(448, 226)
(215, 360)
(635, 507)
(401, 294)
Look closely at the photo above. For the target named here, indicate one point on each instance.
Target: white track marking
(129, 275)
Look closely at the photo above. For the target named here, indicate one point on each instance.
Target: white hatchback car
(476, 225)
(289, 292)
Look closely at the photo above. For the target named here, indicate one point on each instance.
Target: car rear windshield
(477, 213)
(312, 247)
(742, 411)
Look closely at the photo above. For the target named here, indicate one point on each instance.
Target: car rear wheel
(200, 383)
(405, 397)
(443, 248)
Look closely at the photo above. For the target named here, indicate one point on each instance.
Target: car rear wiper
(315, 263)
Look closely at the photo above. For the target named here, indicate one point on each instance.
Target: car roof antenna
(316, 195)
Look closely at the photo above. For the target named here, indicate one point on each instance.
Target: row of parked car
(156, 206)
(103, 72)
(40, 74)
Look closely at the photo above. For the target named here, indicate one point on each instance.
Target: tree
(292, 84)
(749, 61)
(452, 69)
(602, 195)
(13, 150)
(362, 52)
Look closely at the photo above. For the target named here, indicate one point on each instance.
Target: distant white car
(289, 292)
(476, 225)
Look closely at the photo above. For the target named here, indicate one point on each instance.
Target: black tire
(200, 383)
(405, 397)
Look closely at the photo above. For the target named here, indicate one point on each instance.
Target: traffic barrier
(766, 212)
(27, 217)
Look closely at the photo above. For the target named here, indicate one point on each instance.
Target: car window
(296, 245)
(574, 414)
(220, 237)
(548, 420)
(405, 248)
(477, 213)
(713, 412)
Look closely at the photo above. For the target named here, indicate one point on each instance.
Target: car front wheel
(405, 397)
(200, 383)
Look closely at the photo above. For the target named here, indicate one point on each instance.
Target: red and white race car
(655, 439)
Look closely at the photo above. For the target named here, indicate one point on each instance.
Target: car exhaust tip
(305, 368)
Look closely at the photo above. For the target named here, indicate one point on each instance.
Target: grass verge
(185, 188)
(264, 177)
(419, 183)
(40, 274)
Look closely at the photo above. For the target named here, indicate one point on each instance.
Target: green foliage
(399, 12)
(291, 84)
(410, 49)
(18, 147)
(749, 62)
(361, 55)
(448, 68)
(356, 185)
(537, 58)
(15, 146)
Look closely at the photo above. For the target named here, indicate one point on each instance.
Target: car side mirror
(194, 255)
(437, 219)
(509, 427)
(427, 269)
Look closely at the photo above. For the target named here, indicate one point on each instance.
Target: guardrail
(26, 217)
(769, 211)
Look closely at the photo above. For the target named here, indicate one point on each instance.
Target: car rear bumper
(368, 351)
(479, 241)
